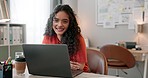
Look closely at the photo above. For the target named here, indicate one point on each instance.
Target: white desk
(83, 75)
(141, 55)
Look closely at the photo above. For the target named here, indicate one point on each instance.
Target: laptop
(48, 60)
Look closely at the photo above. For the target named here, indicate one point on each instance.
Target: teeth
(60, 29)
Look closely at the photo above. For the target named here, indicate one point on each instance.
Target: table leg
(145, 66)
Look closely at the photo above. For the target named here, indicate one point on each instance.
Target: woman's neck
(59, 37)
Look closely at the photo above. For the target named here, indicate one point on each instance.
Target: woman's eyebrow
(61, 19)
(65, 19)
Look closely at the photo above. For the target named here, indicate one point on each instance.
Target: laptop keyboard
(76, 72)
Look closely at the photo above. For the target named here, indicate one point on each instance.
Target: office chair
(97, 62)
(118, 57)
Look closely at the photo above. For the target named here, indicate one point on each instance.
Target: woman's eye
(65, 22)
(55, 20)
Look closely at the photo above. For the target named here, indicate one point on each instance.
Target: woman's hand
(76, 65)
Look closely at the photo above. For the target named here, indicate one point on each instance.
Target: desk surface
(83, 75)
(139, 51)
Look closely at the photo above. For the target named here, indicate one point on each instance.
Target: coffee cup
(20, 65)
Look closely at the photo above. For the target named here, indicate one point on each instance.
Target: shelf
(12, 36)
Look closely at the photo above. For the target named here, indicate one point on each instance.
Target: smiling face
(60, 23)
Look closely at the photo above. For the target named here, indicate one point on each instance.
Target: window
(33, 13)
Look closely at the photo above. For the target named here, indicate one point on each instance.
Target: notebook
(48, 60)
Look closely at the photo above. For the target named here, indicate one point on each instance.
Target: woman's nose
(60, 23)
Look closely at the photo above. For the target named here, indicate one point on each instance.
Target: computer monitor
(130, 45)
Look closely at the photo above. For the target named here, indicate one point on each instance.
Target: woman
(62, 28)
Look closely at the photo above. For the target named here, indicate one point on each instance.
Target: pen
(4, 62)
(8, 60)
(7, 68)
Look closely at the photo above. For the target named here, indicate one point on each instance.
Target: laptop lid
(47, 60)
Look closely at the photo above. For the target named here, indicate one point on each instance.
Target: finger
(75, 63)
(75, 67)
(72, 62)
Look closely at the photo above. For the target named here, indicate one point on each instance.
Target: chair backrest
(122, 54)
(97, 62)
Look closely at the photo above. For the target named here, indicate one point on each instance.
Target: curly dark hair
(70, 37)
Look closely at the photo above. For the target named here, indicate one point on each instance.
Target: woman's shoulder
(80, 37)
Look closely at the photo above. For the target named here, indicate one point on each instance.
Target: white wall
(72, 3)
(98, 35)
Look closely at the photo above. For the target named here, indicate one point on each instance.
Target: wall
(100, 36)
(72, 3)
(53, 4)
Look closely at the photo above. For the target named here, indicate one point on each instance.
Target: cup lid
(20, 59)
